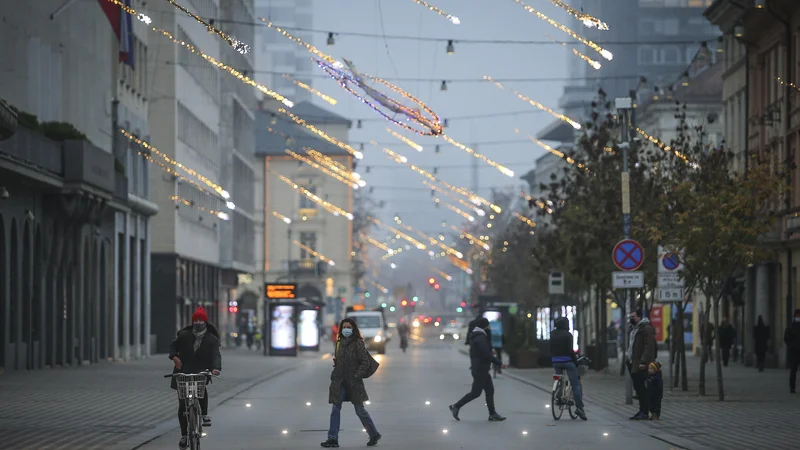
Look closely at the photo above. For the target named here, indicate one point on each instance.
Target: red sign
(656, 320)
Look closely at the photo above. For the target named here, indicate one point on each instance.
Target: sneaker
(206, 421)
(373, 441)
(655, 417)
(454, 411)
(330, 443)
(640, 416)
(496, 418)
(581, 413)
(183, 443)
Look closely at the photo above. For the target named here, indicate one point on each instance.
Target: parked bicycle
(191, 388)
(561, 397)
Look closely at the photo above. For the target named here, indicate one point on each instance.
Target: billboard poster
(309, 329)
(657, 321)
(283, 330)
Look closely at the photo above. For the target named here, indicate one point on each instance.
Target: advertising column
(281, 318)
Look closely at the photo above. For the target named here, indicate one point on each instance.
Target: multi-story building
(67, 187)
(279, 60)
(300, 235)
(769, 34)
(185, 125)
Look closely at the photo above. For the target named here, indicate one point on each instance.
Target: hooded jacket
(561, 345)
(792, 337)
(480, 351)
(207, 356)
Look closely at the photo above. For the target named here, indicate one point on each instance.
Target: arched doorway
(310, 293)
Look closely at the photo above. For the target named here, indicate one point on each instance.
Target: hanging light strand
(282, 217)
(314, 253)
(332, 101)
(550, 149)
(330, 207)
(595, 64)
(341, 144)
(397, 232)
(460, 200)
(503, 169)
(453, 19)
(430, 239)
(324, 170)
(455, 209)
(237, 45)
(542, 107)
(473, 240)
(526, 220)
(317, 52)
(442, 274)
(218, 214)
(587, 20)
(405, 140)
(377, 285)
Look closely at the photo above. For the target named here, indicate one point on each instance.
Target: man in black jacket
(481, 359)
(792, 339)
(563, 357)
(195, 349)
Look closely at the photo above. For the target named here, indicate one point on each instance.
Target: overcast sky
(401, 188)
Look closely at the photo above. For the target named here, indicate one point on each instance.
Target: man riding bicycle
(195, 349)
(563, 357)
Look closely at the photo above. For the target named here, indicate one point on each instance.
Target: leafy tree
(363, 209)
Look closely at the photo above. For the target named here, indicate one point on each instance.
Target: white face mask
(347, 332)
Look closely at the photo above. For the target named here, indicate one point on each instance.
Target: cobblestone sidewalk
(95, 407)
(758, 411)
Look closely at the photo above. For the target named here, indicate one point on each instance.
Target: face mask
(634, 321)
(797, 319)
(347, 332)
(199, 327)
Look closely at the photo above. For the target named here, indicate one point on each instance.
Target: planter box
(524, 359)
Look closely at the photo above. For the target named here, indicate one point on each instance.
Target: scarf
(635, 329)
(198, 338)
(479, 329)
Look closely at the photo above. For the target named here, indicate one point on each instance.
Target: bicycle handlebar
(204, 372)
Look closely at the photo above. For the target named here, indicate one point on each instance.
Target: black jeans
(726, 355)
(481, 381)
(182, 410)
(794, 364)
(640, 386)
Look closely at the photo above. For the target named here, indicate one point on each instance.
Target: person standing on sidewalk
(481, 359)
(350, 365)
(761, 338)
(792, 339)
(195, 349)
(726, 336)
(564, 359)
(641, 353)
(655, 389)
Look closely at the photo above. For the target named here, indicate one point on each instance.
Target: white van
(373, 328)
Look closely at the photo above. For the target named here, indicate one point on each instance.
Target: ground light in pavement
(427, 402)
(444, 431)
(247, 405)
(308, 403)
(524, 433)
(285, 431)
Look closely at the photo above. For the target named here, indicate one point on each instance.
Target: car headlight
(441, 337)
(378, 338)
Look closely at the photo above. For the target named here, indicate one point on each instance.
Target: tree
(363, 207)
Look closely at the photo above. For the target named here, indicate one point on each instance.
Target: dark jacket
(480, 352)
(726, 334)
(207, 356)
(655, 391)
(761, 338)
(352, 361)
(643, 350)
(561, 346)
(792, 338)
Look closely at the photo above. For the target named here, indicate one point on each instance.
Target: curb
(159, 430)
(676, 441)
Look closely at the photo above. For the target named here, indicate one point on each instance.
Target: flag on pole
(122, 24)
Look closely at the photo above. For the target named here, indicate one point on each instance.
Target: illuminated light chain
(603, 52)
(315, 253)
(378, 285)
(528, 221)
(319, 94)
(474, 240)
(503, 169)
(538, 202)
(330, 207)
(319, 53)
(473, 197)
(217, 188)
(460, 200)
(789, 84)
(381, 245)
(453, 19)
(141, 16)
(550, 149)
(237, 45)
(282, 217)
(455, 209)
(662, 145)
(560, 116)
(430, 239)
(397, 232)
(235, 73)
(173, 172)
(442, 274)
(432, 125)
(587, 20)
(341, 144)
(405, 140)
(218, 214)
(595, 65)
(336, 166)
(324, 170)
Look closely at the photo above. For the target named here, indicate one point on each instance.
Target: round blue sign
(670, 261)
(628, 255)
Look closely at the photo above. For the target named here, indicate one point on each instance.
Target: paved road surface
(410, 393)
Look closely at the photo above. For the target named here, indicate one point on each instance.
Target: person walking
(726, 336)
(350, 364)
(640, 354)
(481, 359)
(792, 339)
(760, 338)
(564, 359)
(195, 349)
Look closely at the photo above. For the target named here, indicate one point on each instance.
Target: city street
(409, 398)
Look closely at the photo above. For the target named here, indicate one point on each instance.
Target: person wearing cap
(792, 339)
(562, 355)
(481, 358)
(655, 389)
(195, 349)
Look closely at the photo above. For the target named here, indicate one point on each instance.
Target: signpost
(628, 255)
(556, 283)
(627, 280)
(670, 283)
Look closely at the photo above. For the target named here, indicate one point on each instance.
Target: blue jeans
(572, 373)
(361, 412)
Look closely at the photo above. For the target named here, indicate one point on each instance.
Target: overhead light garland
(399, 233)
(314, 253)
(526, 220)
(336, 166)
(324, 170)
(341, 144)
(587, 20)
(377, 285)
(442, 274)
(550, 149)
(381, 245)
(559, 116)
(317, 52)
(472, 239)
(595, 64)
(330, 207)
(218, 214)
(332, 101)
(430, 239)
(405, 140)
(788, 84)
(460, 200)
(237, 45)
(282, 217)
(455, 209)
(453, 19)
(503, 169)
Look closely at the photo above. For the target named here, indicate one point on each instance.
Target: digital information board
(283, 330)
(309, 329)
(280, 291)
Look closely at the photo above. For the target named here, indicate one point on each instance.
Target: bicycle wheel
(554, 402)
(194, 429)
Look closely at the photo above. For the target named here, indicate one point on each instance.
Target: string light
(460, 200)
(140, 16)
(317, 52)
(550, 149)
(237, 45)
(528, 221)
(324, 170)
(603, 52)
(559, 116)
(587, 20)
(430, 239)
(341, 144)
(662, 145)
(789, 84)
(314, 253)
(380, 245)
(596, 65)
(377, 285)
(455, 210)
(538, 202)
(405, 140)
(237, 74)
(282, 217)
(453, 19)
(473, 240)
(308, 88)
(503, 169)
(442, 274)
(336, 166)
(399, 233)
(331, 208)
(218, 214)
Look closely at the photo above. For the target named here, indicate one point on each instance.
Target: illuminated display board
(277, 291)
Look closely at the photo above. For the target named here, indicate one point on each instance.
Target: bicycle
(191, 388)
(561, 397)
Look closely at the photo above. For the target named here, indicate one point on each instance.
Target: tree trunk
(598, 329)
(718, 352)
(701, 384)
(680, 371)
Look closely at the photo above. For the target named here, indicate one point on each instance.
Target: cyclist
(195, 349)
(563, 357)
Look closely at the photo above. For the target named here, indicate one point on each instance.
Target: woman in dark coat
(350, 363)
(760, 336)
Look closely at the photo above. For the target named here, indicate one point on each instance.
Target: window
(205, 8)
(281, 16)
(194, 133)
(669, 26)
(285, 59)
(647, 55)
(671, 55)
(305, 202)
(308, 239)
(206, 75)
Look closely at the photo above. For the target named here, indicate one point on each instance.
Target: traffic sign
(556, 283)
(669, 261)
(628, 255)
(670, 294)
(627, 280)
(670, 280)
